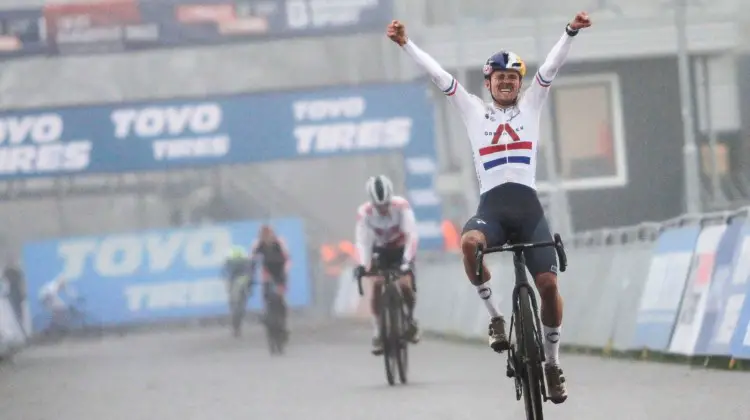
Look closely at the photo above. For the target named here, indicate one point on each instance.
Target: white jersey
(396, 228)
(49, 294)
(50, 290)
(504, 142)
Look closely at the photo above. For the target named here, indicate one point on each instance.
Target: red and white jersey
(504, 141)
(395, 228)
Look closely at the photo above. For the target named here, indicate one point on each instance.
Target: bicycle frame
(521, 282)
(391, 300)
(519, 262)
(390, 279)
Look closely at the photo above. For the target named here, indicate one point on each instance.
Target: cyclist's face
(504, 86)
(382, 209)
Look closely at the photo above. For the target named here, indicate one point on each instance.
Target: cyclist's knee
(375, 297)
(377, 285)
(406, 281)
(546, 284)
(377, 289)
(469, 242)
(377, 282)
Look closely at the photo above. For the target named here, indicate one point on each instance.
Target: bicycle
(525, 364)
(238, 294)
(75, 321)
(393, 323)
(274, 319)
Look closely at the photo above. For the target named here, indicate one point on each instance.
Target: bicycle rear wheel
(275, 325)
(529, 352)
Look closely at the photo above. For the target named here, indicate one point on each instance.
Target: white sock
(486, 294)
(551, 344)
(375, 327)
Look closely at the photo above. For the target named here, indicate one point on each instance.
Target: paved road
(203, 373)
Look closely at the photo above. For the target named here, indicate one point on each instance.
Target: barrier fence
(673, 288)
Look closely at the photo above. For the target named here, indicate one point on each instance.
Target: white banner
(693, 305)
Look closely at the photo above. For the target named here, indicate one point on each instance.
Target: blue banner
(660, 302)
(714, 337)
(738, 305)
(97, 27)
(157, 274)
(160, 135)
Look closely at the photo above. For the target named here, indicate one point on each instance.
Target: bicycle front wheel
(529, 352)
(398, 318)
(387, 329)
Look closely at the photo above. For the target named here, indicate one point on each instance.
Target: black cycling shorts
(275, 273)
(389, 258)
(513, 212)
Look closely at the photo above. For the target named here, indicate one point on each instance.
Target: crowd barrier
(675, 288)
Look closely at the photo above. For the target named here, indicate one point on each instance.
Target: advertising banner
(112, 26)
(718, 324)
(22, 33)
(161, 135)
(690, 318)
(738, 306)
(660, 301)
(157, 274)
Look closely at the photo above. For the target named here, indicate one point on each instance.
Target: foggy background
(618, 117)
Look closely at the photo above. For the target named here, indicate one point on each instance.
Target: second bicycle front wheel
(386, 331)
(529, 356)
(399, 350)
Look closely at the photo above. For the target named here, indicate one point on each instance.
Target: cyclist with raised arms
(504, 137)
(386, 226)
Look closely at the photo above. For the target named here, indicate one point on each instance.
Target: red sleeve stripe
(452, 88)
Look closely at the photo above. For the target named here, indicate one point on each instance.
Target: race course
(328, 373)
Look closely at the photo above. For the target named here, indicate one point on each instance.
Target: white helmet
(379, 190)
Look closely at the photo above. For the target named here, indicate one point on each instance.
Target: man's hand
(396, 31)
(581, 21)
(405, 268)
(359, 271)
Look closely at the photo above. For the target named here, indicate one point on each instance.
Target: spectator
(14, 276)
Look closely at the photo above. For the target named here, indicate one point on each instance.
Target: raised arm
(543, 79)
(466, 103)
